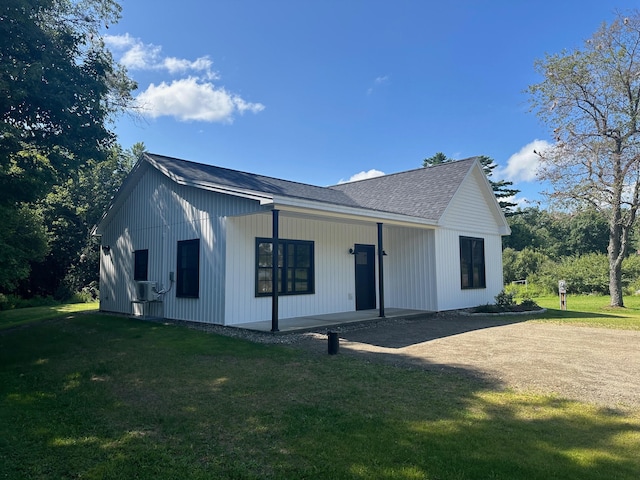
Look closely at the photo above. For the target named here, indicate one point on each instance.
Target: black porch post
(380, 270)
(275, 281)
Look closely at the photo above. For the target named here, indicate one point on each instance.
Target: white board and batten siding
(333, 266)
(156, 215)
(466, 216)
(409, 268)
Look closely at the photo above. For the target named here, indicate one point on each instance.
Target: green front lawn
(23, 316)
(103, 397)
(591, 310)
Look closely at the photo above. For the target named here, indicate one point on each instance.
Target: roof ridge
(405, 171)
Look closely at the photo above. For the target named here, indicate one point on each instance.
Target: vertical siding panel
(334, 266)
(409, 269)
(450, 293)
(158, 214)
(467, 213)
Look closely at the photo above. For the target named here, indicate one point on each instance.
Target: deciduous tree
(590, 99)
(59, 87)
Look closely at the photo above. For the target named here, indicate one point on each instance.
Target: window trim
(190, 271)
(467, 255)
(284, 266)
(141, 257)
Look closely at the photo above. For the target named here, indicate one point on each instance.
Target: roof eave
(263, 198)
(346, 212)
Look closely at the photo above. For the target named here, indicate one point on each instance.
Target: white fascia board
(263, 198)
(340, 211)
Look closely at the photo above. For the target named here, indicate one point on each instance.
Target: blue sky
(321, 91)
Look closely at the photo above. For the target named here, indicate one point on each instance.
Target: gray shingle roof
(423, 192)
(193, 172)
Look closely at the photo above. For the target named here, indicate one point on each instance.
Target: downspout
(274, 272)
(381, 254)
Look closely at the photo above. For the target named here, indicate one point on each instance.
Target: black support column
(274, 271)
(380, 270)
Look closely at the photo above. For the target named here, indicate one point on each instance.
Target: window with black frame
(188, 269)
(472, 265)
(141, 265)
(295, 267)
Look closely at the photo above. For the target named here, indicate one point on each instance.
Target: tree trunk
(615, 283)
(616, 245)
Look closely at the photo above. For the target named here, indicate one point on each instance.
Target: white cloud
(363, 176)
(381, 80)
(190, 99)
(137, 55)
(119, 41)
(181, 65)
(523, 165)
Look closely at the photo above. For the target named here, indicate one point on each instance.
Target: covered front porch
(329, 321)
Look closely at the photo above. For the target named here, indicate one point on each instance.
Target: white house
(426, 239)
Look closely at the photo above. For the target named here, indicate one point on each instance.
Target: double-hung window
(295, 267)
(188, 269)
(472, 266)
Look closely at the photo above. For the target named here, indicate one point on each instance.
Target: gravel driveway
(595, 365)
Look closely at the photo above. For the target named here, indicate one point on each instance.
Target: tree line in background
(547, 246)
(59, 162)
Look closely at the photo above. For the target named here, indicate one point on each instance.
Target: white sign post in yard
(562, 290)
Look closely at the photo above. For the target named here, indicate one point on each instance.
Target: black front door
(365, 256)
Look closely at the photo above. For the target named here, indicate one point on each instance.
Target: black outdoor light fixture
(106, 249)
(353, 252)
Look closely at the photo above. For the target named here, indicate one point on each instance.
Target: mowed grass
(591, 310)
(23, 316)
(104, 397)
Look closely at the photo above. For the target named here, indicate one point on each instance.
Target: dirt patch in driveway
(595, 365)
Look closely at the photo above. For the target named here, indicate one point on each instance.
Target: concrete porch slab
(332, 320)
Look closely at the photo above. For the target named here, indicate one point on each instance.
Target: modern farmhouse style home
(188, 241)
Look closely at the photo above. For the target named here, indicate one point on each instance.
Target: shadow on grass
(557, 314)
(105, 397)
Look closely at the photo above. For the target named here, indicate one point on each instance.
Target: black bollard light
(333, 342)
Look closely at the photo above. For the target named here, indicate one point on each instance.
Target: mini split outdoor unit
(146, 291)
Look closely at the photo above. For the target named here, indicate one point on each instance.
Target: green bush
(529, 304)
(504, 299)
(586, 274)
(520, 265)
(87, 294)
(631, 274)
(10, 302)
(526, 291)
